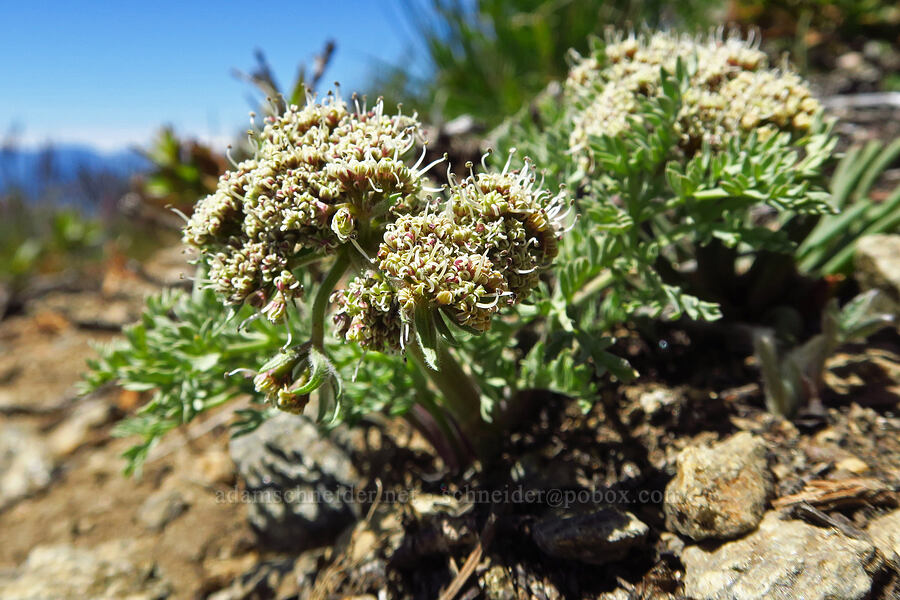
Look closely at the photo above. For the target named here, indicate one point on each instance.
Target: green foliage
(521, 352)
(190, 351)
(667, 222)
(649, 209)
(662, 229)
(793, 377)
(194, 353)
(829, 246)
(40, 239)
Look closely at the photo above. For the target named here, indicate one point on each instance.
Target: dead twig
(825, 494)
(868, 100)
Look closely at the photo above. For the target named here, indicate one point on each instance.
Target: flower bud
(343, 223)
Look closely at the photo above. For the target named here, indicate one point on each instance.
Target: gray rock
(719, 491)
(160, 509)
(782, 559)
(885, 533)
(299, 483)
(536, 471)
(101, 573)
(877, 262)
(25, 464)
(598, 537)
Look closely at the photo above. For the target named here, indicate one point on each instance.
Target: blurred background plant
(866, 205)
(38, 239)
(793, 379)
(180, 171)
(857, 41)
(489, 58)
(60, 219)
(731, 233)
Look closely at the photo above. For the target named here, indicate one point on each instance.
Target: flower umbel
(733, 90)
(480, 250)
(281, 377)
(367, 312)
(318, 172)
(331, 184)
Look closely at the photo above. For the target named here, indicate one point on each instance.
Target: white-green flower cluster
(480, 250)
(732, 90)
(319, 174)
(324, 176)
(368, 312)
(518, 224)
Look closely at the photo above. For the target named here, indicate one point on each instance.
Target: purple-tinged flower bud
(343, 224)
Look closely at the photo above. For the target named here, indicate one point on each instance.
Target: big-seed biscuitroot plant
(697, 168)
(331, 256)
(332, 234)
(693, 148)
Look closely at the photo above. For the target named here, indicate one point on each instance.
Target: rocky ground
(661, 491)
(677, 485)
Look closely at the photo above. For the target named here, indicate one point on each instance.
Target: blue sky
(109, 74)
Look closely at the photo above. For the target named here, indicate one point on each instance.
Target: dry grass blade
(487, 535)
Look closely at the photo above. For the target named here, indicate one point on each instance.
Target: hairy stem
(461, 398)
(592, 287)
(320, 304)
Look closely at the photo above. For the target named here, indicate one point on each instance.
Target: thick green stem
(592, 287)
(320, 304)
(461, 398)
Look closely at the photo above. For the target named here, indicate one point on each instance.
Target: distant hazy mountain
(64, 171)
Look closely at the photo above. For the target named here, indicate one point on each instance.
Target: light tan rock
(719, 491)
(105, 572)
(885, 534)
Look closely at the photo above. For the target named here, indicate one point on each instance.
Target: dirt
(89, 500)
(624, 447)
